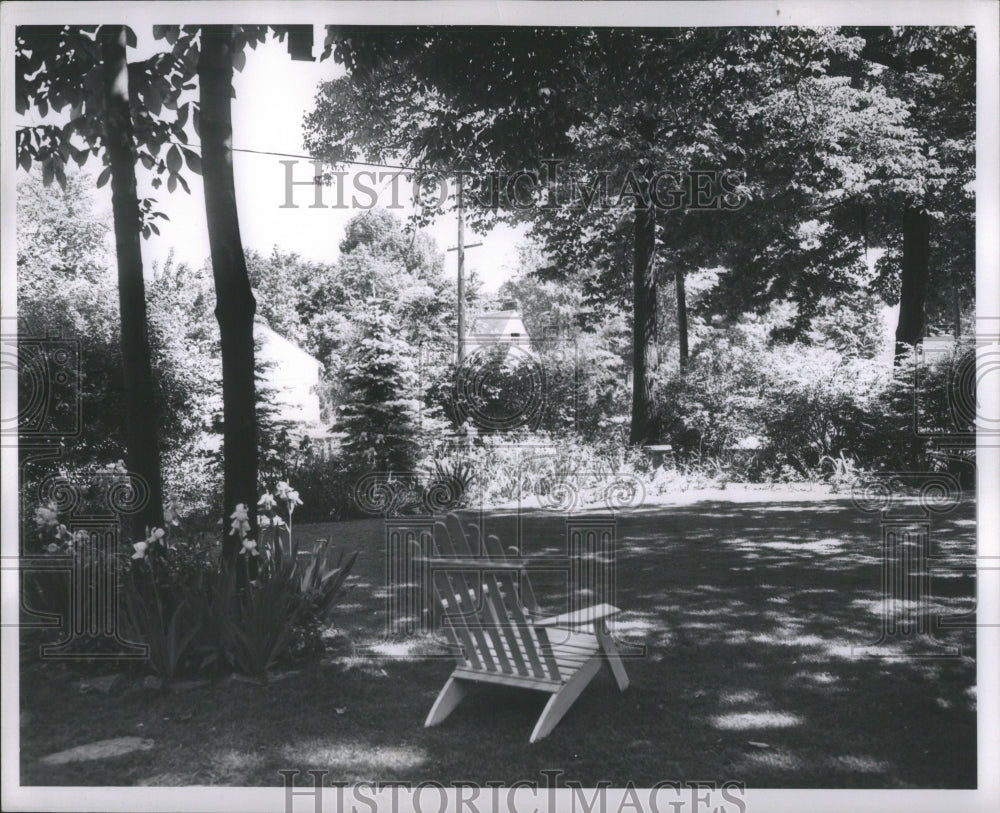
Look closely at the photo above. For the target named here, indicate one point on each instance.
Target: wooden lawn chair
(490, 615)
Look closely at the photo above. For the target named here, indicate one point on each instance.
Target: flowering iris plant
(284, 495)
(57, 537)
(46, 516)
(144, 547)
(240, 521)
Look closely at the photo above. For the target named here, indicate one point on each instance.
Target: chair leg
(449, 697)
(561, 701)
(611, 654)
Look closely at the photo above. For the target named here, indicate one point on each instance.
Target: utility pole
(460, 353)
(460, 248)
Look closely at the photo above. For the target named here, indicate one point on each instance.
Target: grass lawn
(751, 614)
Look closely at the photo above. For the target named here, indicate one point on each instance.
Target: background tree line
(852, 143)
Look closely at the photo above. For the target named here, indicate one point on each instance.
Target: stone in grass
(103, 685)
(104, 749)
(152, 682)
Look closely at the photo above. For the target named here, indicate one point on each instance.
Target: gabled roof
(497, 324)
(276, 347)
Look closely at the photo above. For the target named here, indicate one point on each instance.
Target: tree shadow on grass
(758, 622)
(763, 663)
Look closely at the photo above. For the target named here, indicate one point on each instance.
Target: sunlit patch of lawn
(758, 620)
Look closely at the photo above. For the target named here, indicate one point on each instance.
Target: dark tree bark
(142, 448)
(644, 358)
(913, 279)
(682, 318)
(956, 305)
(235, 303)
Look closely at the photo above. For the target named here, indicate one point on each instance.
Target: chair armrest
(483, 563)
(579, 618)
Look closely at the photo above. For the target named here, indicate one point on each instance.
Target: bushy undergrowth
(749, 413)
(776, 414)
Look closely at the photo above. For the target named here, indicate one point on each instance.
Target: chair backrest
(487, 602)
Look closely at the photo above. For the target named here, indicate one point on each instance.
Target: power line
(399, 167)
(315, 158)
(279, 154)
(427, 170)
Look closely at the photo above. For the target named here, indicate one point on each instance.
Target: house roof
(495, 324)
(291, 373)
(277, 348)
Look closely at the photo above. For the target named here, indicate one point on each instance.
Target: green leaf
(171, 183)
(239, 60)
(104, 177)
(193, 161)
(166, 32)
(174, 160)
(154, 101)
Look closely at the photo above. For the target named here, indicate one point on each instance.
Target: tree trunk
(956, 305)
(142, 455)
(913, 279)
(235, 304)
(644, 355)
(682, 318)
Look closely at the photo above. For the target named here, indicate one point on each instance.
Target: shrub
(496, 469)
(326, 488)
(380, 418)
(764, 411)
(160, 617)
(921, 400)
(293, 593)
(261, 629)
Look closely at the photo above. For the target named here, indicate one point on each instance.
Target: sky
(273, 95)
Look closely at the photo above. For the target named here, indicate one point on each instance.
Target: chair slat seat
(490, 617)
